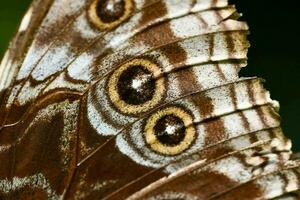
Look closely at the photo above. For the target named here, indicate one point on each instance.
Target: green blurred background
(274, 54)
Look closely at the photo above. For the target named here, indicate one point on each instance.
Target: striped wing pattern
(138, 99)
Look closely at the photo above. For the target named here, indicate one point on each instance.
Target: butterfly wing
(291, 196)
(246, 176)
(14, 56)
(113, 96)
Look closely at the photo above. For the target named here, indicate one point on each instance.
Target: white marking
(171, 129)
(232, 168)
(230, 71)
(215, 17)
(26, 20)
(186, 26)
(177, 7)
(293, 183)
(54, 61)
(234, 125)
(113, 60)
(271, 186)
(83, 27)
(37, 181)
(138, 83)
(256, 123)
(97, 121)
(221, 100)
(206, 4)
(172, 195)
(13, 94)
(29, 92)
(276, 105)
(242, 95)
(61, 82)
(240, 143)
(58, 11)
(123, 32)
(197, 49)
(6, 71)
(139, 4)
(32, 57)
(220, 48)
(80, 69)
(207, 76)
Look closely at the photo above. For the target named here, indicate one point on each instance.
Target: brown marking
(233, 96)
(54, 31)
(230, 44)
(246, 123)
(155, 36)
(229, 40)
(107, 164)
(214, 3)
(246, 192)
(284, 179)
(215, 131)
(95, 66)
(39, 151)
(136, 186)
(22, 40)
(203, 103)
(251, 93)
(220, 72)
(3, 110)
(209, 154)
(211, 45)
(156, 11)
(88, 136)
(174, 53)
(200, 18)
(235, 104)
(202, 184)
(215, 152)
(261, 114)
(18, 112)
(188, 82)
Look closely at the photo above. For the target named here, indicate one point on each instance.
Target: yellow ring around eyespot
(135, 109)
(96, 20)
(156, 145)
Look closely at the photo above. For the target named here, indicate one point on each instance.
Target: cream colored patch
(26, 20)
(233, 169)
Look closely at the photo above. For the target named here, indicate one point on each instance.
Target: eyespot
(134, 87)
(107, 14)
(170, 131)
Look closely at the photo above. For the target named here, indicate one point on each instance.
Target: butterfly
(138, 99)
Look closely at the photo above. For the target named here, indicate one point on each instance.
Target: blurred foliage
(11, 13)
(274, 54)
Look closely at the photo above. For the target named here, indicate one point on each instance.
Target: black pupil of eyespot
(136, 85)
(110, 10)
(170, 130)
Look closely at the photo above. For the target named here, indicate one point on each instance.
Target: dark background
(274, 54)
